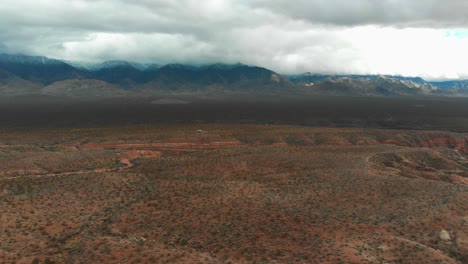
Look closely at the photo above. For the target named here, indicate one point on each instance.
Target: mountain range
(23, 74)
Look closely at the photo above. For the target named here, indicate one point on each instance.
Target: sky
(427, 38)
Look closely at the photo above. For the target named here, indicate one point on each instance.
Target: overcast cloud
(427, 38)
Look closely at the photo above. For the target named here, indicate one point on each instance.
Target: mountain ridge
(217, 77)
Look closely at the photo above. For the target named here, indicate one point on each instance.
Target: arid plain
(232, 194)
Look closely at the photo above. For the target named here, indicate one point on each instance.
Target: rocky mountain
(119, 63)
(27, 74)
(93, 66)
(453, 88)
(124, 75)
(366, 82)
(188, 77)
(364, 85)
(308, 78)
(38, 69)
(218, 77)
(463, 84)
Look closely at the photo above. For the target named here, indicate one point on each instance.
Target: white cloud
(411, 51)
(365, 36)
(156, 47)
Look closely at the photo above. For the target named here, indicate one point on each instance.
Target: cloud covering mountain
(421, 37)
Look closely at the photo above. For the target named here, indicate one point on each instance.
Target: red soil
(239, 194)
(164, 145)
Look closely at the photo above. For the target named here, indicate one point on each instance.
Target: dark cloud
(399, 13)
(324, 36)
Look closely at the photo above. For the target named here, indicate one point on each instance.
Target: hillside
(84, 88)
(12, 85)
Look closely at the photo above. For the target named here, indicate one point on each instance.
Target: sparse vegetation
(255, 194)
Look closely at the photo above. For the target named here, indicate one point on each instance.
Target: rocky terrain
(232, 194)
(362, 86)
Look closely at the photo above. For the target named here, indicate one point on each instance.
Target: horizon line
(238, 63)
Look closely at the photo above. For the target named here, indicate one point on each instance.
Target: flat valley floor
(232, 194)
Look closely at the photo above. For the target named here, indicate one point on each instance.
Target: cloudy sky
(427, 38)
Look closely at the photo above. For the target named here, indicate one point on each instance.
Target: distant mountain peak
(224, 66)
(114, 63)
(179, 66)
(153, 67)
(31, 71)
(95, 66)
(37, 68)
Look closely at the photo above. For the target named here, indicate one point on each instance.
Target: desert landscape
(233, 131)
(208, 193)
